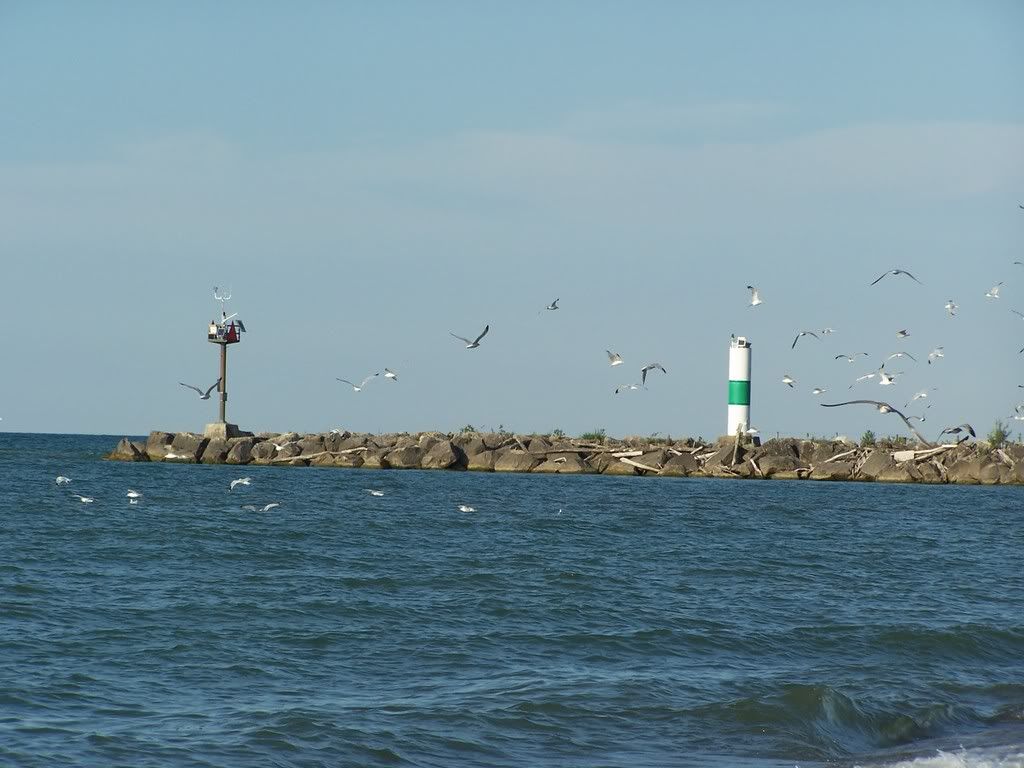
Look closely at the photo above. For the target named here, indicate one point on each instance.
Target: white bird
(755, 296)
(359, 387)
(650, 367)
(283, 445)
(389, 374)
(1019, 415)
(614, 358)
(466, 508)
(553, 305)
(61, 480)
(826, 331)
(374, 492)
(935, 354)
(897, 272)
(919, 395)
(221, 298)
(886, 379)
(902, 334)
(270, 506)
(265, 508)
(850, 358)
(788, 380)
(133, 496)
(240, 481)
(818, 391)
(83, 499)
(202, 395)
(901, 354)
(881, 408)
(475, 342)
(626, 387)
(171, 455)
(804, 333)
(952, 307)
(993, 292)
(866, 376)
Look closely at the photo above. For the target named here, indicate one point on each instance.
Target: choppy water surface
(569, 621)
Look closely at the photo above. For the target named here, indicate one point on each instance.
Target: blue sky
(370, 176)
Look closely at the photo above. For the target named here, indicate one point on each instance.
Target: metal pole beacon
(739, 386)
(224, 333)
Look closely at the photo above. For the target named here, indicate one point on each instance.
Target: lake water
(568, 621)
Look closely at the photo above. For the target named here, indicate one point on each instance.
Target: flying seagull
(476, 342)
(850, 358)
(804, 333)
(202, 395)
(650, 367)
(755, 296)
(389, 374)
(902, 334)
(614, 358)
(358, 387)
(553, 305)
(788, 380)
(901, 354)
(897, 272)
(952, 307)
(1019, 314)
(818, 391)
(827, 331)
(882, 408)
(885, 379)
(993, 292)
(625, 387)
(265, 508)
(919, 395)
(240, 481)
(866, 376)
(955, 431)
(935, 354)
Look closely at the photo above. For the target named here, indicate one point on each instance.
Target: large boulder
(481, 462)
(835, 470)
(287, 451)
(333, 440)
(240, 451)
(877, 462)
(680, 466)
(514, 460)
(311, 444)
(126, 450)
(216, 451)
(376, 458)
(563, 464)
(189, 444)
(407, 457)
(785, 446)
(352, 441)
(443, 455)
(616, 467)
(538, 445)
(778, 463)
(655, 458)
(903, 472)
(263, 452)
(470, 443)
(157, 444)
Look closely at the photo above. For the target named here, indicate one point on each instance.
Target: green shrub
(468, 428)
(596, 435)
(557, 433)
(999, 434)
(867, 439)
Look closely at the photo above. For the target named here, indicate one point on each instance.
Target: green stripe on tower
(739, 393)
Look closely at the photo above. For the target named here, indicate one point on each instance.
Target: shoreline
(970, 463)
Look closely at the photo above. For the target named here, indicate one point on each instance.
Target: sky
(370, 177)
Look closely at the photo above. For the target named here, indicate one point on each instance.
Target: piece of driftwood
(638, 465)
(839, 456)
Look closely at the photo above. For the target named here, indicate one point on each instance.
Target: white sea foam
(965, 758)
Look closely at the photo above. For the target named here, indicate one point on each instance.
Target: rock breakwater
(785, 458)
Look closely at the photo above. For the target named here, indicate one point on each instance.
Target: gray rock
(877, 462)
(773, 465)
(443, 455)
(288, 451)
(785, 446)
(263, 452)
(836, 470)
(240, 451)
(655, 458)
(904, 472)
(407, 457)
(216, 451)
(616, 467)
(680, 466)
(157, 444)
(514, 460)
(126, 450)
(189, 444)
(376, 458)
(481, 462)
(352, 441)
(563, 464)
(538, 445)
(311, 444)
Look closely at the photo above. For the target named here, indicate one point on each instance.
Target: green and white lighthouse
(739, 386)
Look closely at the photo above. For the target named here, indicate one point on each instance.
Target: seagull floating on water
(475, 342)
(804, 333)
(466, 508)
(61, 480)
(897, 272)
(614, 358)
(133, 496)
(202, 395)
(83, 499)
(374, 492)
(359, 387)
(755, 296)
(993, 292)
(240, 481)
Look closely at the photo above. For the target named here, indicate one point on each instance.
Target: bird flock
(887, 377)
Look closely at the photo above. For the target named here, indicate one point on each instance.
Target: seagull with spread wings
(882, 408)
(650, 367)
(755, 296)
(804, 333)
(475, 342)
(359, 387)
(202, 395)
(897, 272)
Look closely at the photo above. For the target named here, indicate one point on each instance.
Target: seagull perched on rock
(614, 358)
(952, 307)
(61, 480)
(788, 380)
(897, 272)
(935, 354)
(240, 481)
(650, 367)
(993, 292)
(955, 431)
(804, 333)
(475, 342)
(755, 296)
(359, 387)
(202, 395)
(389, 374)
(850, 358)
(882, 408)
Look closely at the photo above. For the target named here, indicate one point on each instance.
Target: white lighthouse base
(223, 430)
